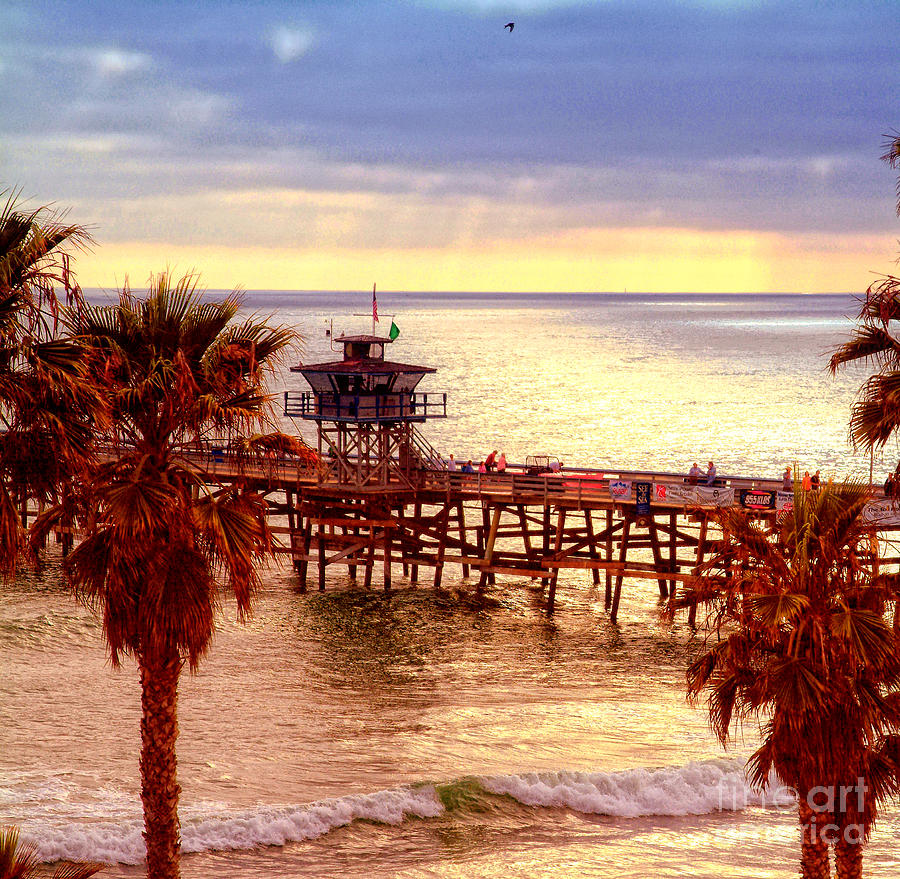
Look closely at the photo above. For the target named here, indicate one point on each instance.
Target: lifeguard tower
(366, 410)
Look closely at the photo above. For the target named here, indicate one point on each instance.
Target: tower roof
(363, 366)
(364, 337)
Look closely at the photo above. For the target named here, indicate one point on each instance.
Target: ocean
(431, 734)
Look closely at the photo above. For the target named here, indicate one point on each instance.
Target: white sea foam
(105, 825)
(694, 789)
(208, 827)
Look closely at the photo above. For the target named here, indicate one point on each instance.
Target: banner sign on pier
(719, 497)
(757, 499)
(642, 497)
(784, 501)
(619, 490)
(693, 495)
(674, 493)
(885, 514)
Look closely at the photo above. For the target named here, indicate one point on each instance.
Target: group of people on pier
(493, 462)
(696, 475)
(809, 483)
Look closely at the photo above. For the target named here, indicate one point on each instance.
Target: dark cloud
(762, 114)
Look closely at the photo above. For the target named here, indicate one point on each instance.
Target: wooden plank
(339, 521)
(533, 573)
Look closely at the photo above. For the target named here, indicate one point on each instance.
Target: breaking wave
(106, 826)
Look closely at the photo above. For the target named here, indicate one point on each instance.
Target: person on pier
(467, 467)
(711, 474)
(490, 461)
(787, 479)
(816, 481)
(694, 474)
(501, 463)
(451, 464)
(807, 481)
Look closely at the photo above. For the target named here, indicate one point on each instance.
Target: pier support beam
(609, 557)
(701, 549)
(489, 546)
(623, 556)
(557, 546)
(657, 558)
(443, 525)
(461, 520)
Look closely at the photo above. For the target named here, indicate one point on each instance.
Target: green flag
(395, 331)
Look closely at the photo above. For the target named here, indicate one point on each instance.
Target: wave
(101, 832)
(213, 827)
(694, 789)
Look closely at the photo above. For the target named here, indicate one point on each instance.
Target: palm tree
(876, 415)
(802, 645)
(161, 546)
(46, 407)
(20, 861)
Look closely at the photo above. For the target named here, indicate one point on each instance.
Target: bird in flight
(510, 25)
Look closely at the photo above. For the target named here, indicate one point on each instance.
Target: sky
(647, 145)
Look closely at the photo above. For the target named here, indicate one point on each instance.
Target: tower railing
(364, 407)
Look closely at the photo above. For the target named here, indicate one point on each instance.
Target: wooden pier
(377, 496)
(511, 525)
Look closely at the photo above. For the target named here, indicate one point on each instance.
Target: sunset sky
(661, 145)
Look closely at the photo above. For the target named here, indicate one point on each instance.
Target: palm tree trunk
(848, 857)
(813, 848)
(159, 783)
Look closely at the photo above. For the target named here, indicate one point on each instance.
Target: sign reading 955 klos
(757, 499)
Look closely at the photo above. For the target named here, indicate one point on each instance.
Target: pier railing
(656, 489)
(589, 482)
(575, 487)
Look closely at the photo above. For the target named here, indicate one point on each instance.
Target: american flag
(374, 306)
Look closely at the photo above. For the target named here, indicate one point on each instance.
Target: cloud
(196, 109)
(291, 43)
(117, 62)
(425, 124)
(288, 194)
(502, 6)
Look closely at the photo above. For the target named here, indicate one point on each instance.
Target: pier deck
(511, 524)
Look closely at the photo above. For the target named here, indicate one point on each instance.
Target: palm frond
(177, 603)
(867, 635)
(760, 764)
(77, 871)
(139, 500)
(867, 343)
(892, 157)
(17, 860)
(235, 526)
(774, 609)
(12, 534)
